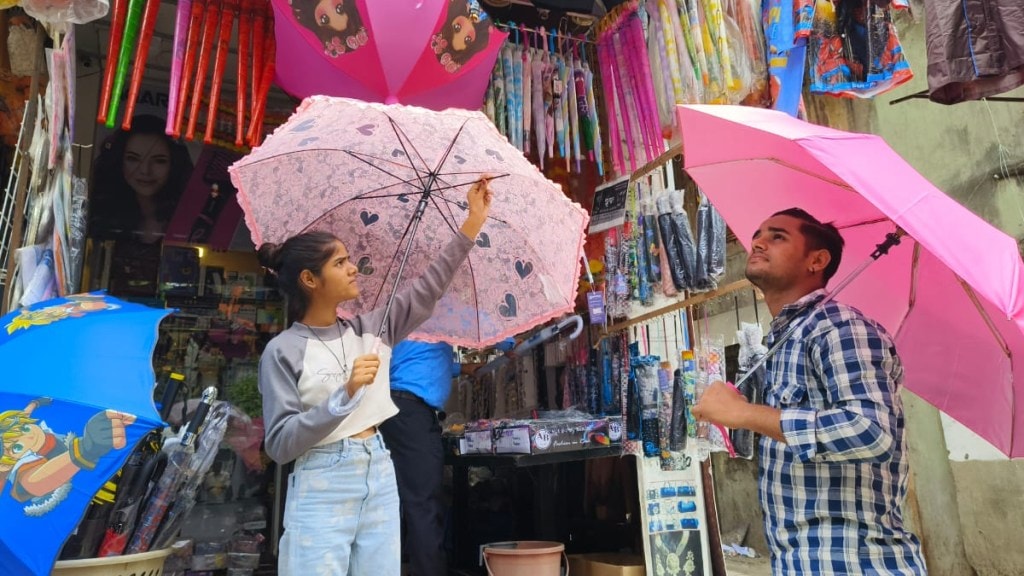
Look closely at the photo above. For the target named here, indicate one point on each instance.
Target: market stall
(119, 136)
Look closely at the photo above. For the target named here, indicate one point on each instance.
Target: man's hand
(364, 371)
(721, 404)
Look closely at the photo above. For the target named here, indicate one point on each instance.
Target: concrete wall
(968, 496)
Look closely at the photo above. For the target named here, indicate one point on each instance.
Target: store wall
(970, 523)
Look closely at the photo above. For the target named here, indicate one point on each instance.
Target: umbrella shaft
(416, 218)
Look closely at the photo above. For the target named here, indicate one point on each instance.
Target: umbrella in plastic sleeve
(76, 396)
(949, 293)
(206, 448)
(367, 169)
(180, 461)
(432, 53)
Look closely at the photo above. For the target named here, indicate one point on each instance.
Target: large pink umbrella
(951, 293)
(391, 182)
(431, 53)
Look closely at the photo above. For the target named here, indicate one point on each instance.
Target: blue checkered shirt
(831, 494)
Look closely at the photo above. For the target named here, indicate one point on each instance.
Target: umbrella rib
(792, 167)
(359, 156)
(451, 145)
(391, 266)
(402, 138)
(984, 315)
(396, 195)
(460, 206)
(450, 224)
(465, 172)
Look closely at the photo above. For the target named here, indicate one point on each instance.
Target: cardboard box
(478, 442)
(606, 565)
(567, 435)
(512, 440)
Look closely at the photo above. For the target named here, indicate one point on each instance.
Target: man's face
(778, 254)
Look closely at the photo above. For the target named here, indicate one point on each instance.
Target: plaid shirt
(831, 494)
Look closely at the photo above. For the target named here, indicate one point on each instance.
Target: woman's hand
(364, 371)
(479, 200)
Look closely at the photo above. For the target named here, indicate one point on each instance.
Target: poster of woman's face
(137, 179)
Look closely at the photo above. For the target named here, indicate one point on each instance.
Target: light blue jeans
(341, 515)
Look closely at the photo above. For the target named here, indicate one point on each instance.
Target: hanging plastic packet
(688, 367)
(711, 239)
(616, 285)
(631, 267)
(751, 350)
(686, 244)
(670, 243)
(645, 371)
(665, 415)
(680, 408)
(716, 243)
(595, 298)
(645, 291)
(711, 369)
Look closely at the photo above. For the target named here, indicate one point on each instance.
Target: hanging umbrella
(76, 396)
(432, 53)
(362, 171)
(950, 294)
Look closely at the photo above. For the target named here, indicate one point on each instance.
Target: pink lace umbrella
(951, 293)
(385, 177)
(432, 53)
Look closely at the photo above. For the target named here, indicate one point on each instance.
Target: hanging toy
(269, 49)
(188, 69)
(131, 29)
(181, 19)
(209, 35)
(227, 15)
(113, 55)
(141, 54)
(244, 41)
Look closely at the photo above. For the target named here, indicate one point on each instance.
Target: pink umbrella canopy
(431, 53)
(361, 171)
(950, 294)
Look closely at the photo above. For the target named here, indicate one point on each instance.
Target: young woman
(324, 395)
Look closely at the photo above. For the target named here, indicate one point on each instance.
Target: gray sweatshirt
(305, 403)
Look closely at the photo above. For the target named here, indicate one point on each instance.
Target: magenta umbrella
(951, 293)
(391, 182)
(431, 53)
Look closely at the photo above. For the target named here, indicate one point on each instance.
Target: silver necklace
(341, 340)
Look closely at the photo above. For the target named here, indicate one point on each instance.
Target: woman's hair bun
(269, 256)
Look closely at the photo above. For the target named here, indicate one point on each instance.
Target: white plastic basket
(145, 564)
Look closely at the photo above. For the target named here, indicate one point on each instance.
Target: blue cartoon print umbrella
(75, 397)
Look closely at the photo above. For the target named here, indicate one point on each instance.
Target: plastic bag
(710, 369)
(741, 76)
(66, 11)
(645, 371)
(711, 240)
(751, 350)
